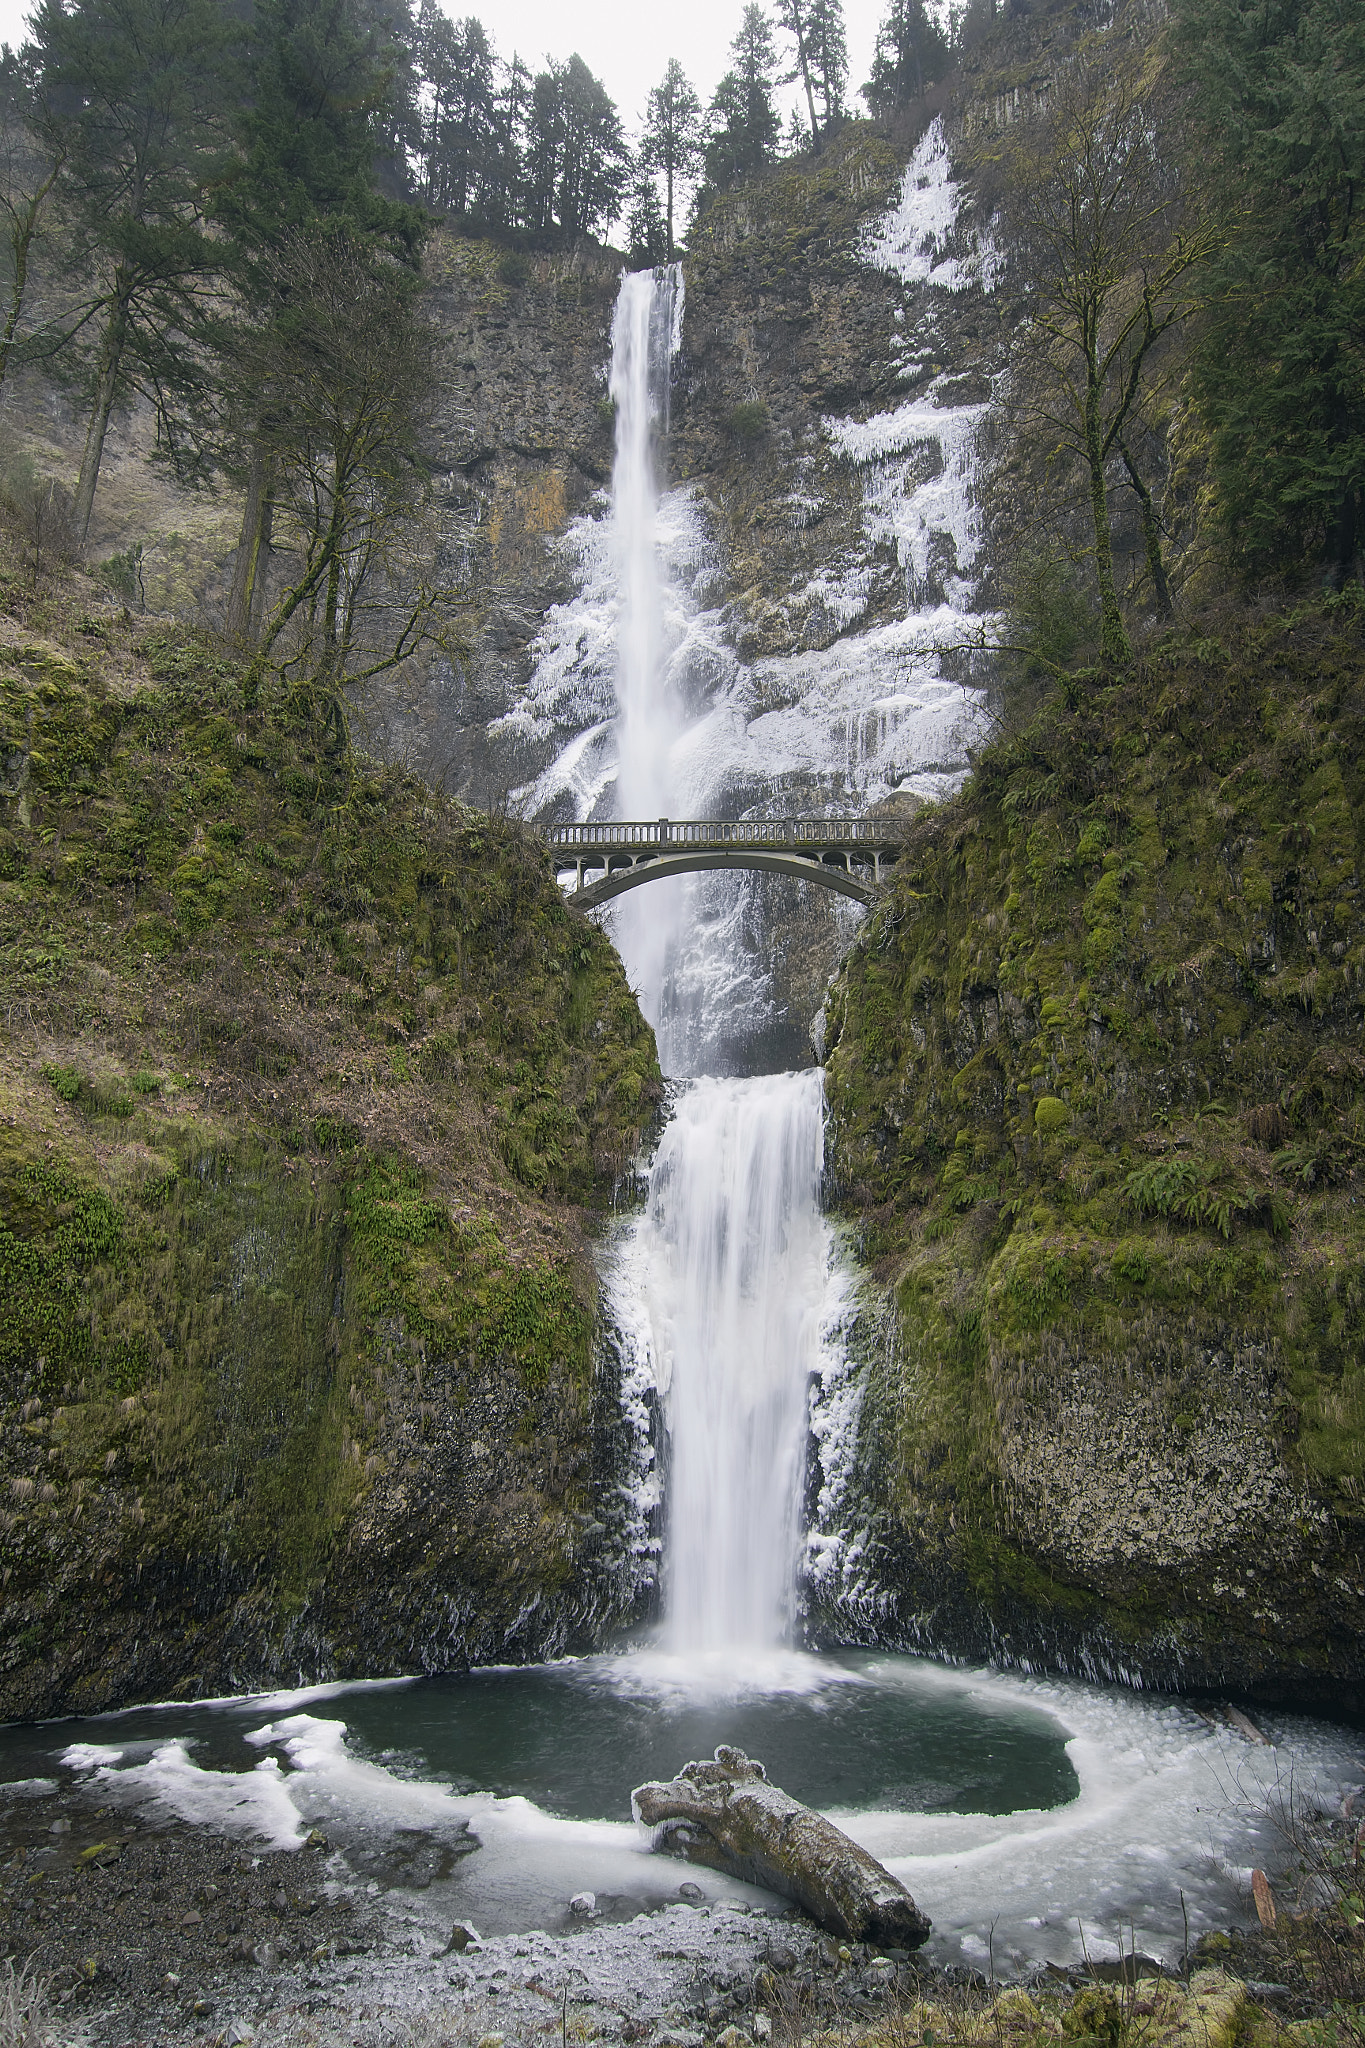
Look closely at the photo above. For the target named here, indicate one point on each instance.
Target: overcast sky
(626, 42)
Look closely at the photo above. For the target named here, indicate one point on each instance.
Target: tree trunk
(803, 60)
(106, 390)
(1151, 537)
(1113, 638)
(810, 97)
(668, 180)
(726, 1815)
(22, 235)
(253, 552)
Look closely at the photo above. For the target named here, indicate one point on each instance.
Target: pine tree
(504, 195)
(796, 17)
(829, 49)
(1279, 103)
(912, 53)
(577, 162)
(672, 141)
(743, 121)
(140, 89)
(647, 238)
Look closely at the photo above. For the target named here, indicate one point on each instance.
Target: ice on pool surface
(1164, 1804)
(257, 1804)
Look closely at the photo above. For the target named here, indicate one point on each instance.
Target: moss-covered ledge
(1097, 1089)
(309, 1082)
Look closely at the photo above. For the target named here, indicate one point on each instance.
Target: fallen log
(726, 1815)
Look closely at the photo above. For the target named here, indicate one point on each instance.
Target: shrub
(748, 422)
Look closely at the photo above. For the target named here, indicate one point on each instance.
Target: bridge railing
(661, 832)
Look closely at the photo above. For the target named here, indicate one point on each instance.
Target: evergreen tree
(829, 51)
(912, 54)
(504, 196)
(672, 141)
(139, 88)
(647, 238)
(796, 17)
(743, 120)
(1279, 99)
(467, 131)
(320, 83)
(577, 162)
(438, 76)
(396, 124)
(32, 154)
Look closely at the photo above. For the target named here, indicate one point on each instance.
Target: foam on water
(1171, 1818)
(257, 1804)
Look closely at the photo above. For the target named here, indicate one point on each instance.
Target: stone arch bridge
(848, 855)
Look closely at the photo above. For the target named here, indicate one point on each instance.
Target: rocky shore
(154, 1934)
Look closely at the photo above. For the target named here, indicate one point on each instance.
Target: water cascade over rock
(734, 1248)
(740, 1257)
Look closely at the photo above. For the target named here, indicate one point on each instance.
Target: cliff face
(1097, 1088)
(308, 1075)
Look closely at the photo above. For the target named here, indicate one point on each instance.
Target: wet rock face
(298, 1365)
(725, 1814)
(794, 324)
(1147, 1528)
(521, 442)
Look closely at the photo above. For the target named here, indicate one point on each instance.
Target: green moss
(324, 1058)
(1096, 1063)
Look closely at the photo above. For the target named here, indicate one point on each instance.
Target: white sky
(627, 43)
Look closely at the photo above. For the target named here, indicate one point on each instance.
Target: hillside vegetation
(305, 1077)
(1098, 1091)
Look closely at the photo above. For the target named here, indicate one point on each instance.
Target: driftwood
(725, 1814)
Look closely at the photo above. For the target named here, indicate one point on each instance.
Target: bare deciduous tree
(337, 385)
(1114, 240)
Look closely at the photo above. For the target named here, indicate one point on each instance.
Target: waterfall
(644, 335)
(732, 1251)
(739, 1253)
(643, 339)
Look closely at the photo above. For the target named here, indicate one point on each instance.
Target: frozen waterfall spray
(735, 1248)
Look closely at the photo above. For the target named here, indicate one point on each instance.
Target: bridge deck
(629, 852)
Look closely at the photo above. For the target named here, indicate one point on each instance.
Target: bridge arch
(617, 881)
(846, 855)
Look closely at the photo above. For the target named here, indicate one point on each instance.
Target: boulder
(726, 1815)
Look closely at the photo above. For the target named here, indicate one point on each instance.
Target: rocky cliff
(308, 1086)
(1097, 1091)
